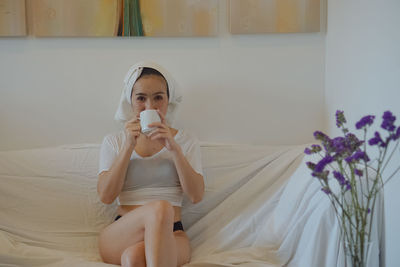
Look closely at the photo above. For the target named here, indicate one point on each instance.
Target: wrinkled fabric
(261, 208)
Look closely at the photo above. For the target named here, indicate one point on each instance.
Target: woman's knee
(162, 211)
(134, 256)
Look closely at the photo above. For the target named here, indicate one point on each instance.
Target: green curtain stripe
(126, 18)
(136, 19)
(132, 18)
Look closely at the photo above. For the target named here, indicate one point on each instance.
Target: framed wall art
(91, 18)
(274, 16)
(12, 18)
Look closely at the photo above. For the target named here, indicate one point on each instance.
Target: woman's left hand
(164, 134)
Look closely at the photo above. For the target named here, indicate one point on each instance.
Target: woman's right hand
(132, 131)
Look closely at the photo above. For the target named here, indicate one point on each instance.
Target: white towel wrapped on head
(125, 111)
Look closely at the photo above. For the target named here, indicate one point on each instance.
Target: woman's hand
(164, 134)
(132, 131)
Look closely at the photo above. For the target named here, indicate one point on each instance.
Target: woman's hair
(151, 71)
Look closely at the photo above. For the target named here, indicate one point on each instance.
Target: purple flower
(357, 156)
(310, 165)
(352, 142)
(341, 146)
(366, 120)
(348, 186)
(324, 139)
(320, 136)
(316, 148)
(326, 190)
(376, 140)
(321, 175)
(307, 151)
(322, 163)
(313, 149)
(342, 180)
(348, 149)
(338, 143)
(358, 172)
(397, 134)
(369, 210)
(339, 177)
(340, 119)
(388, 121)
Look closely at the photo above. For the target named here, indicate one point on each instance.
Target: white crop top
(151, 178)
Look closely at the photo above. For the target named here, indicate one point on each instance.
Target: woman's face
(150, 92)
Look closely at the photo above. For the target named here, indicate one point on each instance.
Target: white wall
(363, 77)
(240, 89)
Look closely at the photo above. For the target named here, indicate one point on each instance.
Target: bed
(261, 208)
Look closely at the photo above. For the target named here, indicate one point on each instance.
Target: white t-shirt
(151, 178)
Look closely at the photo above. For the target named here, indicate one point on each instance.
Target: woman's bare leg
(135, 254)
(151, 223)
(160, 244)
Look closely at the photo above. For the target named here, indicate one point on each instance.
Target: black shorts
(177, 225)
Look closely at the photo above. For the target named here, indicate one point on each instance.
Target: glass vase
(355, 257)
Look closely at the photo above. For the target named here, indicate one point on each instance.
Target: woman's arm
(192, 182)
(110, 183)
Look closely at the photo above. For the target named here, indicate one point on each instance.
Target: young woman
(148, 175)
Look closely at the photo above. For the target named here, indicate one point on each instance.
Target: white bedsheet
(261, 208)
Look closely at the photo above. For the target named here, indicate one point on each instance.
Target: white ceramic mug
(147, 117)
